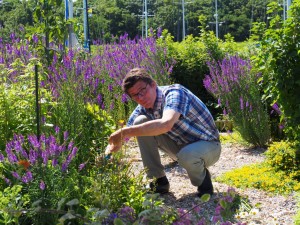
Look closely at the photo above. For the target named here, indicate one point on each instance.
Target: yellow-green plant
(261, 176)
(12, 202)
(283, 156)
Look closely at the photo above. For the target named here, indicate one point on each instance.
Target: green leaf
(60, 203)
(118, 221)
(205, 197)
(73, 202)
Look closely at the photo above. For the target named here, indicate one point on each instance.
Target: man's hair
(135, 75)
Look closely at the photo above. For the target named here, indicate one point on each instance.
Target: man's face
(143, 93)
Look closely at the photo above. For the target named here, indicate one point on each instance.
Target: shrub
(115, 184)
(12, 202)
(232, 82)
(279, 61)
(283, 156)
(45, 168)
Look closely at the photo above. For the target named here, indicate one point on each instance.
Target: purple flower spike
(42, 185)
(16, 175)
(56, 129)
(1, 157)
(81, 166)
(242, 103)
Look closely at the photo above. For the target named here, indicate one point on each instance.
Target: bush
(232, 82)
(283, 156)
(279, 61)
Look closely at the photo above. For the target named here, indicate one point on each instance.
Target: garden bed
(273, 209)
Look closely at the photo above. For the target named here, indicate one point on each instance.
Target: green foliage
(125, 188)
(49, 26)
(232, 137)
(17, 100)
(283, 156)
(261, 176)
(279, 61)
(12, 202)
(190, 69)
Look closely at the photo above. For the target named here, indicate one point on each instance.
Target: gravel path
(273, 209)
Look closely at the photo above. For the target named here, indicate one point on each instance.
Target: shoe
(206, 187)
(160, 185)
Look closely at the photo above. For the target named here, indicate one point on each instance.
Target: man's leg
(196, 157)
(149, 146)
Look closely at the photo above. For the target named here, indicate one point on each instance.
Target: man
(173, 119)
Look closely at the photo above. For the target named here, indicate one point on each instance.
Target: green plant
(125, 188)
(17, 99)
(279, 61)
(12, 202)
(283, 156)
(234, 84)
(261, 176)
(44, 167)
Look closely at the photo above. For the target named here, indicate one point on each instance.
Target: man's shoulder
(171, 87)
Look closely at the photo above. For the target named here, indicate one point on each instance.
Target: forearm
(150, 128)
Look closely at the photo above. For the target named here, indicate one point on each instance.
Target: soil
(273, 209)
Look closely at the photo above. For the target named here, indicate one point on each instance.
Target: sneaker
(160, 185)
(206, 187)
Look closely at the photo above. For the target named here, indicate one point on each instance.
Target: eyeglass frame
(141, 93)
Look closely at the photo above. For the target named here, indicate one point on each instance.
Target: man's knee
(140, 119)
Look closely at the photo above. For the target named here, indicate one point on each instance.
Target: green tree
(14, 15)
(279, 60)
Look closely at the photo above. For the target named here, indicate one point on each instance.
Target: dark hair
(135, 75)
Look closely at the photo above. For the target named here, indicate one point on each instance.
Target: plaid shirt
(195, 123)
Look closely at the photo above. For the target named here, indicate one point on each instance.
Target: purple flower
(7, 181)
(35, 38)
(1, 157)
(56, 128)
(276, 108)
(124, 98)
(42, 185)
(81, 166)
(241, 103)
(34, 141)
(27, 177)
(99, 99)
(16, 175)
(66, 135)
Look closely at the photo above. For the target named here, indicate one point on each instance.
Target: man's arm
(150, 128)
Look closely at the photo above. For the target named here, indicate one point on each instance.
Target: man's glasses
(141, 93)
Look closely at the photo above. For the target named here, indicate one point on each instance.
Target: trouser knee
(140, 119)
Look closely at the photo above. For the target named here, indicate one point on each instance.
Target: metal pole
(37, 106)
(86, 26)
(183, 20)
(216, 15)
(284, 10)
(146, 18)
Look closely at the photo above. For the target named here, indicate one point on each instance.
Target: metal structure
(145, 16)
(86, 44)
(216, 15)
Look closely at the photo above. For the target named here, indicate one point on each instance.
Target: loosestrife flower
(42, 185)
(26, 157)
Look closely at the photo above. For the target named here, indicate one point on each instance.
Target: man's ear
(153, 84)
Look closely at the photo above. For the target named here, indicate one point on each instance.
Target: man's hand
(115, 142)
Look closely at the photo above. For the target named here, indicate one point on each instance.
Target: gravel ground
(273, 209)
